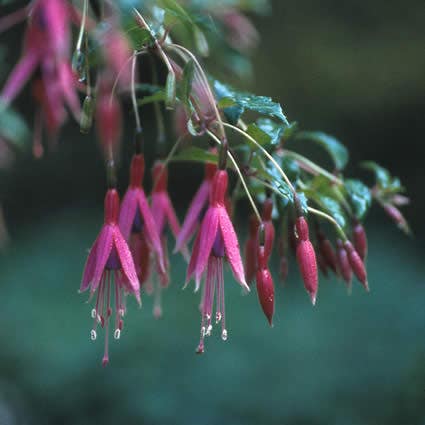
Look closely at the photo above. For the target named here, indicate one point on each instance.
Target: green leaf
(261, 104)
(226, 102)
(195, 154)
(359, 196)
(330, 205)
(335, 148)
(12, 127)
(273, 130)
(158, 96)
(258, 134)
(384, 180)
(139, 37)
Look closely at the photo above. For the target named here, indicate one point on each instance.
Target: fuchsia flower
(110, 264)
(326, 251)
(164, 213)
(47, 47)
(137, 223)
(343, 263)
(306, 258)
(196, 208)
(356, 264)
(216, 240)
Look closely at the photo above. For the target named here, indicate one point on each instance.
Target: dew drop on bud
(93, 314)
(217, 317)
(224, 335)
(93, 335)
(99, 319)
(117, 334)
(203, 331)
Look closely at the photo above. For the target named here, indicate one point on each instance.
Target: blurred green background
(356, 70)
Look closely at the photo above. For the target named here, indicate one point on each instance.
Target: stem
(157, 109)
(133, 93)
(83, 25)
(88, 80)
(314, 167)
(238, 171)
(338, 228)
(272, 160)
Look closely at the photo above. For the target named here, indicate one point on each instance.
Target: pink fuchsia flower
(306, 258)
(164, 214)
(47, 47)
(137, 223)
(215, 241)
(110, 271)
(326, 251)
(196, 208)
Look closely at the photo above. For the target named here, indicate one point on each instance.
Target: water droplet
(224, 335)
(98, 318)
(217, 317)
(117, 334)
(209, 329)
(93, 314)
(203, 332)
(207, 316)
(93, 335)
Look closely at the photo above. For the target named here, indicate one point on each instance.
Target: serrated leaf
(273, 130)
(334, 147)
(359, 196)
(12, 127)
(330, 205)
(261, 104)
(258, 134)
(195, 154)
(226, 102)
(385, 181)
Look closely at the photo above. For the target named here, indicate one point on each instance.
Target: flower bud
(265, 287)
(343, 263)
(326, 251)
(356, 264)
(360, 240)
(395, 214)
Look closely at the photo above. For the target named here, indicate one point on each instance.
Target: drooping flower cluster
(291, 191)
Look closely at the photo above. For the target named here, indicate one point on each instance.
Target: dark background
(355, 70)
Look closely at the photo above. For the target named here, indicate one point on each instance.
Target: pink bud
(160, 177)
(356, 264)
(302, 229)
(112, 206)
(360, 240)
(265, 287)
(343, 263)
(395, 214)
(327, 252)
(219, 188)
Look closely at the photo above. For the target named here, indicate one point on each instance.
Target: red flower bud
(395, 214)
(306, 258)
(356, 264)
(326, 251)
(160, 177)
(360, 240)
(343, 263)
(265, 287)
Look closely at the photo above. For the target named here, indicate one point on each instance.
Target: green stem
(338, 228)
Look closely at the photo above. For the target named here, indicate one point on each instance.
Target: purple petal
(89, 267)
(127, 264)
(193, 215)
(103, 251)
(67, 83)
(128, 212)
(231, 246)
(208, 233)
(150, 229)
(20, 74)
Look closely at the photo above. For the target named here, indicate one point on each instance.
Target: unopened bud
(265, 290)
(307, 263)
(360, 240)
(356, 264)
(343, 263)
